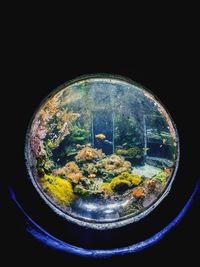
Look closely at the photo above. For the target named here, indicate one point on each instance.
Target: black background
(35, 67)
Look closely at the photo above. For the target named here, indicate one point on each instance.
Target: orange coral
(88, 153)
(70, 171)
(115, 164)
(138, 192)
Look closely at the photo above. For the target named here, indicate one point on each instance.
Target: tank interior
(102, 149)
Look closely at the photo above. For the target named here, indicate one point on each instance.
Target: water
(101, 150)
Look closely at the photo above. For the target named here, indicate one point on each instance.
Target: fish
(164, 141)
(100, 136)
(124, 144)
(146, 148)
(108, 142)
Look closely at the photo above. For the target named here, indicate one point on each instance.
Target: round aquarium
(102, 151)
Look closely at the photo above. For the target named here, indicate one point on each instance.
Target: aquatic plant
(63, 124)
(88, 187)
(78, 134)
(113, 165)
(70, 171)
(162, 176)
(135, 152)
(88, 154)
(89, 169)
(59, 189)
(121, 152)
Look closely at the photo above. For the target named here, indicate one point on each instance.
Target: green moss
(78, 134)
(45, 165)
(162, 177)
(135, 152)
(81, 190)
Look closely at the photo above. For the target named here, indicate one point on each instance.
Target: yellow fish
(100, 136)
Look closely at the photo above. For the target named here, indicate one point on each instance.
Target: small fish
(161, 145)
(146, 148)
(88, 145)
(100, 136)
(164, 141)
(124, 144)
(108, 142)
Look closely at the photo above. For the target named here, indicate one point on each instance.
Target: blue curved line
(43, 236)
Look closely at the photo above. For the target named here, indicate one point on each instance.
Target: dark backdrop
(33, 73)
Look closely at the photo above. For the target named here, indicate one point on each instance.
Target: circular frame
(123, 221)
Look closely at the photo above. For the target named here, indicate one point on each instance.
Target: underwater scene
(101, 149)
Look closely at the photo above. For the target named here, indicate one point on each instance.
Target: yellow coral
(70, 171)
(106, 188)
(88, 153)
(59, 189)
(132, 178)
(115, 164)
(125, 178)
(116, 182)
(50, 143)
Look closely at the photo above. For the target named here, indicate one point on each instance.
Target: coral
(113, 164)
(50, 143)
(70, 171)
(81, 190)
(92, 175)
(44, 165)
(119, 185)
(88, 187)
(162, 177)
(121, 152)
(49, 109)
(125, 180)
(37, 147)
(88, 153)
(37, 134)
(138, 192)
(135, 152)
(63, 124)
(154, 186)
(89, 169)
(59, 189)
(150, 184)
(78, 134)
(106, 189)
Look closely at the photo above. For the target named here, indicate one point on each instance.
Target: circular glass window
(102, 151)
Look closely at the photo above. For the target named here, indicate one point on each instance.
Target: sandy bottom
(146, 170)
